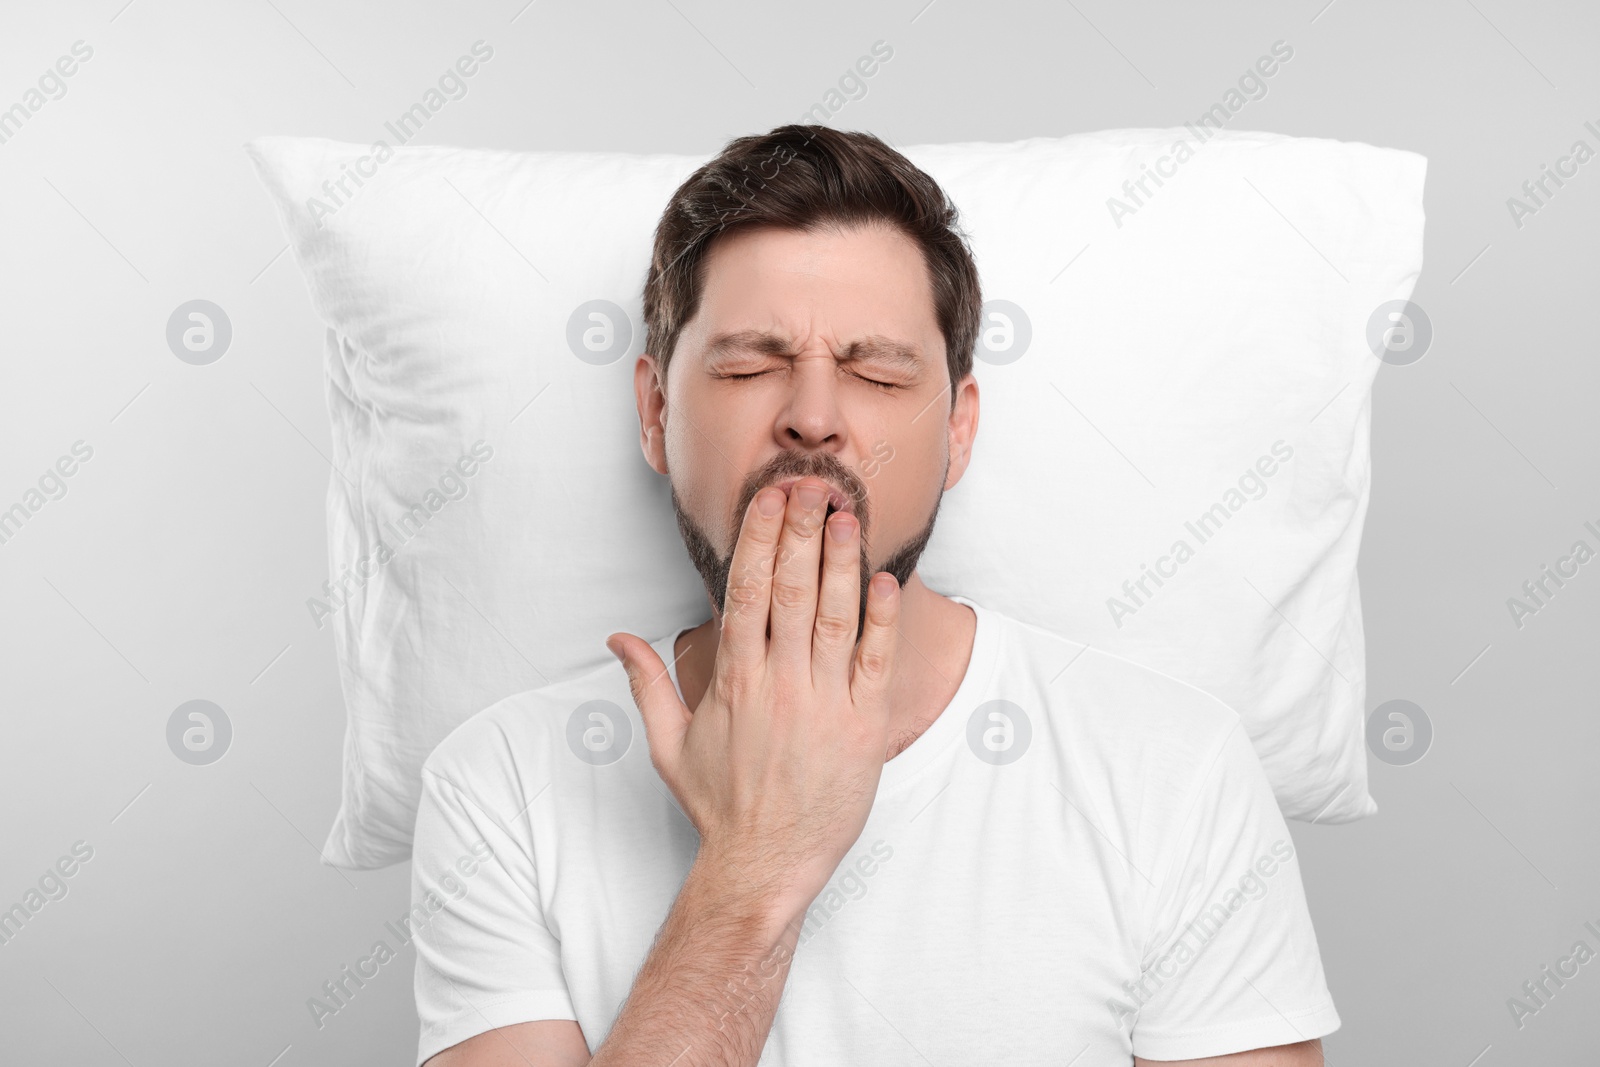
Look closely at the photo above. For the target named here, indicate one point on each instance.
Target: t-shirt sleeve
(1231, 961)
(485, 958)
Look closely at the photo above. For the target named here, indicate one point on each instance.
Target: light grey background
(178, 563)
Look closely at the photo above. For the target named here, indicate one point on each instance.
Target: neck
(933, 645)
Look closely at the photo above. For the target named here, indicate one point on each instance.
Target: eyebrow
(874, 348)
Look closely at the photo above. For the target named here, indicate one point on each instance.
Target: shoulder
(1108, 698)
(523, 737)
(1140, 738)
(1149, 758)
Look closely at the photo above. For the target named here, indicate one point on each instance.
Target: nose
(811, 416)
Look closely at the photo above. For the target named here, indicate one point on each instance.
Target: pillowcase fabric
(1172, 461)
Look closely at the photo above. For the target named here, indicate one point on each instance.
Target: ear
(649, 395)
(962, 429)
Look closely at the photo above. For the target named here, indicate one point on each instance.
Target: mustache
(801, 465)
(714, 568)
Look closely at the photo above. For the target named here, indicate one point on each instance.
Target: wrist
(739, 893)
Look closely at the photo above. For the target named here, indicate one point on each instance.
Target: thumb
(666, 719)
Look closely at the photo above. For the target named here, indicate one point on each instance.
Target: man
(932, 833)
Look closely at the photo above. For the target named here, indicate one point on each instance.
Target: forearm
(709, 988)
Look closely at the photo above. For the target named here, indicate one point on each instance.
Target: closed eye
(885, 386)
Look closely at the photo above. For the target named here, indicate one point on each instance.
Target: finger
(666, 719)
(874, 661)
(742, 643)
(839, 605)
(795, 578)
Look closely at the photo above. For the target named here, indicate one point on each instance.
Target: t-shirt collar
(952, 721)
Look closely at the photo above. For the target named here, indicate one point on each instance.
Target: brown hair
(806, 178)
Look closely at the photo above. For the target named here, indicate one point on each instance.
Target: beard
(715, 568)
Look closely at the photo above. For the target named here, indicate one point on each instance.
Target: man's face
(847, 382)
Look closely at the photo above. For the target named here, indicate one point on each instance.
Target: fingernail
(769, 501)
(811, 496)
(841, 526)
(885, 584)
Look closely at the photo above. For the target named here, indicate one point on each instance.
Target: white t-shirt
(1079, 860)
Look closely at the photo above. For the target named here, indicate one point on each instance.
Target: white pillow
(1197, 347)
